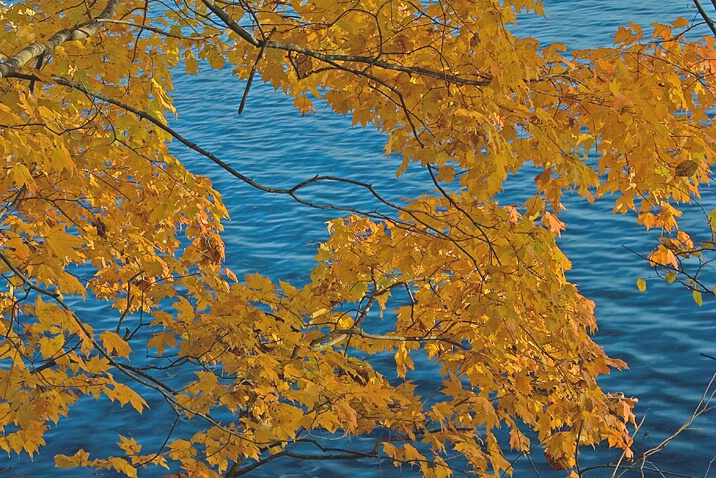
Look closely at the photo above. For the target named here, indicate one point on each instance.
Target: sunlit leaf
(641, 284)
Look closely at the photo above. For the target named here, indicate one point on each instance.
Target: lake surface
(660, 333)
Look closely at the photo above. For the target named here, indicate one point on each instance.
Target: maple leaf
(480, 290)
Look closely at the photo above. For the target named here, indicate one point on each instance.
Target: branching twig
(253, 73)
(641, 462)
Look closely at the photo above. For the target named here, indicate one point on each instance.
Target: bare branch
(252, 74)
(705, 16)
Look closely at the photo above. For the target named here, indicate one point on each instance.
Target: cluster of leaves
(93, 205)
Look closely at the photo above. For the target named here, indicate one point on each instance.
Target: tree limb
(329, 340)
(80, 32)
(483, 80)
(252, 74)
(152, 29)
(705, 16)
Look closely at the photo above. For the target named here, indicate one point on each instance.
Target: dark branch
(705, 16)
(252, 74)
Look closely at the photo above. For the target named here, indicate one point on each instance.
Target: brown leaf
(686, 168)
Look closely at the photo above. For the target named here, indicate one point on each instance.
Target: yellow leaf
(697, 297)
(412, 454)
(680, 22)
(304, 105)
(78, 459)
(641, 284)
(64, 246)
(518, 440)
(49, 347)
(345, 322)
(552, 223)
(431, 349)
(712, 220)
(124, 395)
(123, 466)
(446, 174)
(114, 344)
(161, 340)
(21, 176)
(129, 445)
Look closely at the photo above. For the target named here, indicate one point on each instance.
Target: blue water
(660, 333)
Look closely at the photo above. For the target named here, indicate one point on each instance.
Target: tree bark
(36, 50)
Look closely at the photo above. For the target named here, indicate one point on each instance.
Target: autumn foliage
(270, 368)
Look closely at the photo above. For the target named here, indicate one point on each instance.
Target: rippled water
(660, 333)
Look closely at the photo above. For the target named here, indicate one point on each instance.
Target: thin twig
(253, 73)
(623, 455)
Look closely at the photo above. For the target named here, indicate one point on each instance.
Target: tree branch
(483, 80)
(705, 16)
(341, 454)
(80, 32)
(337, 336)
(413, 70)
(252, 74)
(291, 192)
(229, 22)
(152, 29)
